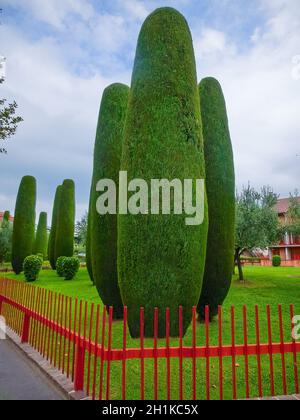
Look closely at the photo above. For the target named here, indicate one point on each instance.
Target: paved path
(20, 379)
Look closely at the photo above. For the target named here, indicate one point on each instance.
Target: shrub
(60, 266)
(52, 236)
(160, 259)
(71, 266)
(24, 223)
(276, 261)
(32, 267)
(103, 228)
(64, 241)
(41, 237)
(220, 186)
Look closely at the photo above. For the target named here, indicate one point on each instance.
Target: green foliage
(6, 216)
(60, 266)
(8, 119)
(220, 186)
(276, 261)
(32, 266)
(71, 266)
(24, 223)
(257, 223)
(81, 230)
(41, 237)
(5, 241)
(64, 241)
(52, 236)
(103, 228)
(161, 260)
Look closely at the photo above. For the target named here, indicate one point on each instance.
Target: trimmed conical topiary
(161, 259)
(6, 216)
(52, 236)
(220, 185)
(64, 241)
(41, 237)
(24, 223)
(103, 228)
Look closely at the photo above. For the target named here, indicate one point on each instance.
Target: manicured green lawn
(264, 285)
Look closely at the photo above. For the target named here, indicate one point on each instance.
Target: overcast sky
(61, 54)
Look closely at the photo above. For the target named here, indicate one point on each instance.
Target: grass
(264, 285)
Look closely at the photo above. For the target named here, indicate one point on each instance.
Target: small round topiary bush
(60, 266)
(70, 267)
(276, 261)
(32, 266)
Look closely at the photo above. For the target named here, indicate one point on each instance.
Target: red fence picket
(74, 337)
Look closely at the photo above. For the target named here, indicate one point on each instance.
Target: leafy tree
(257, 223)
(8, 119)
(5, 240)
(81, 231)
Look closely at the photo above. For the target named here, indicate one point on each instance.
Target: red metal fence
(77, 338)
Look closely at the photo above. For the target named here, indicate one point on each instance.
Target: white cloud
(54, 12)
(263, 99)
(135, 8)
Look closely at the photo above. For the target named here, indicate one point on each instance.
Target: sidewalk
(20, 379)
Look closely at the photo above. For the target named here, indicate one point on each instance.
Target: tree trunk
(240, 267)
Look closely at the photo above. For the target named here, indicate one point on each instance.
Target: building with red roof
(289, 248)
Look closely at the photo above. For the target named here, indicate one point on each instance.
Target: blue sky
(61, 54)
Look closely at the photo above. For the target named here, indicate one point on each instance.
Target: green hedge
(52, 236)
(220, 185)
(41, 237)
(24, 223)
(64, 241)
(32, 266)
(161, 260)
(103, 228)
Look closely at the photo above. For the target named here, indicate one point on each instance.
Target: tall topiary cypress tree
(41, 237)
(24, 223)
(220, 185)
(6, 216)
(64, 241)
(103, 228)
(52, 236)
(161, 260)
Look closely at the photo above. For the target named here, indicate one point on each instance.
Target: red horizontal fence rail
(77, 338)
